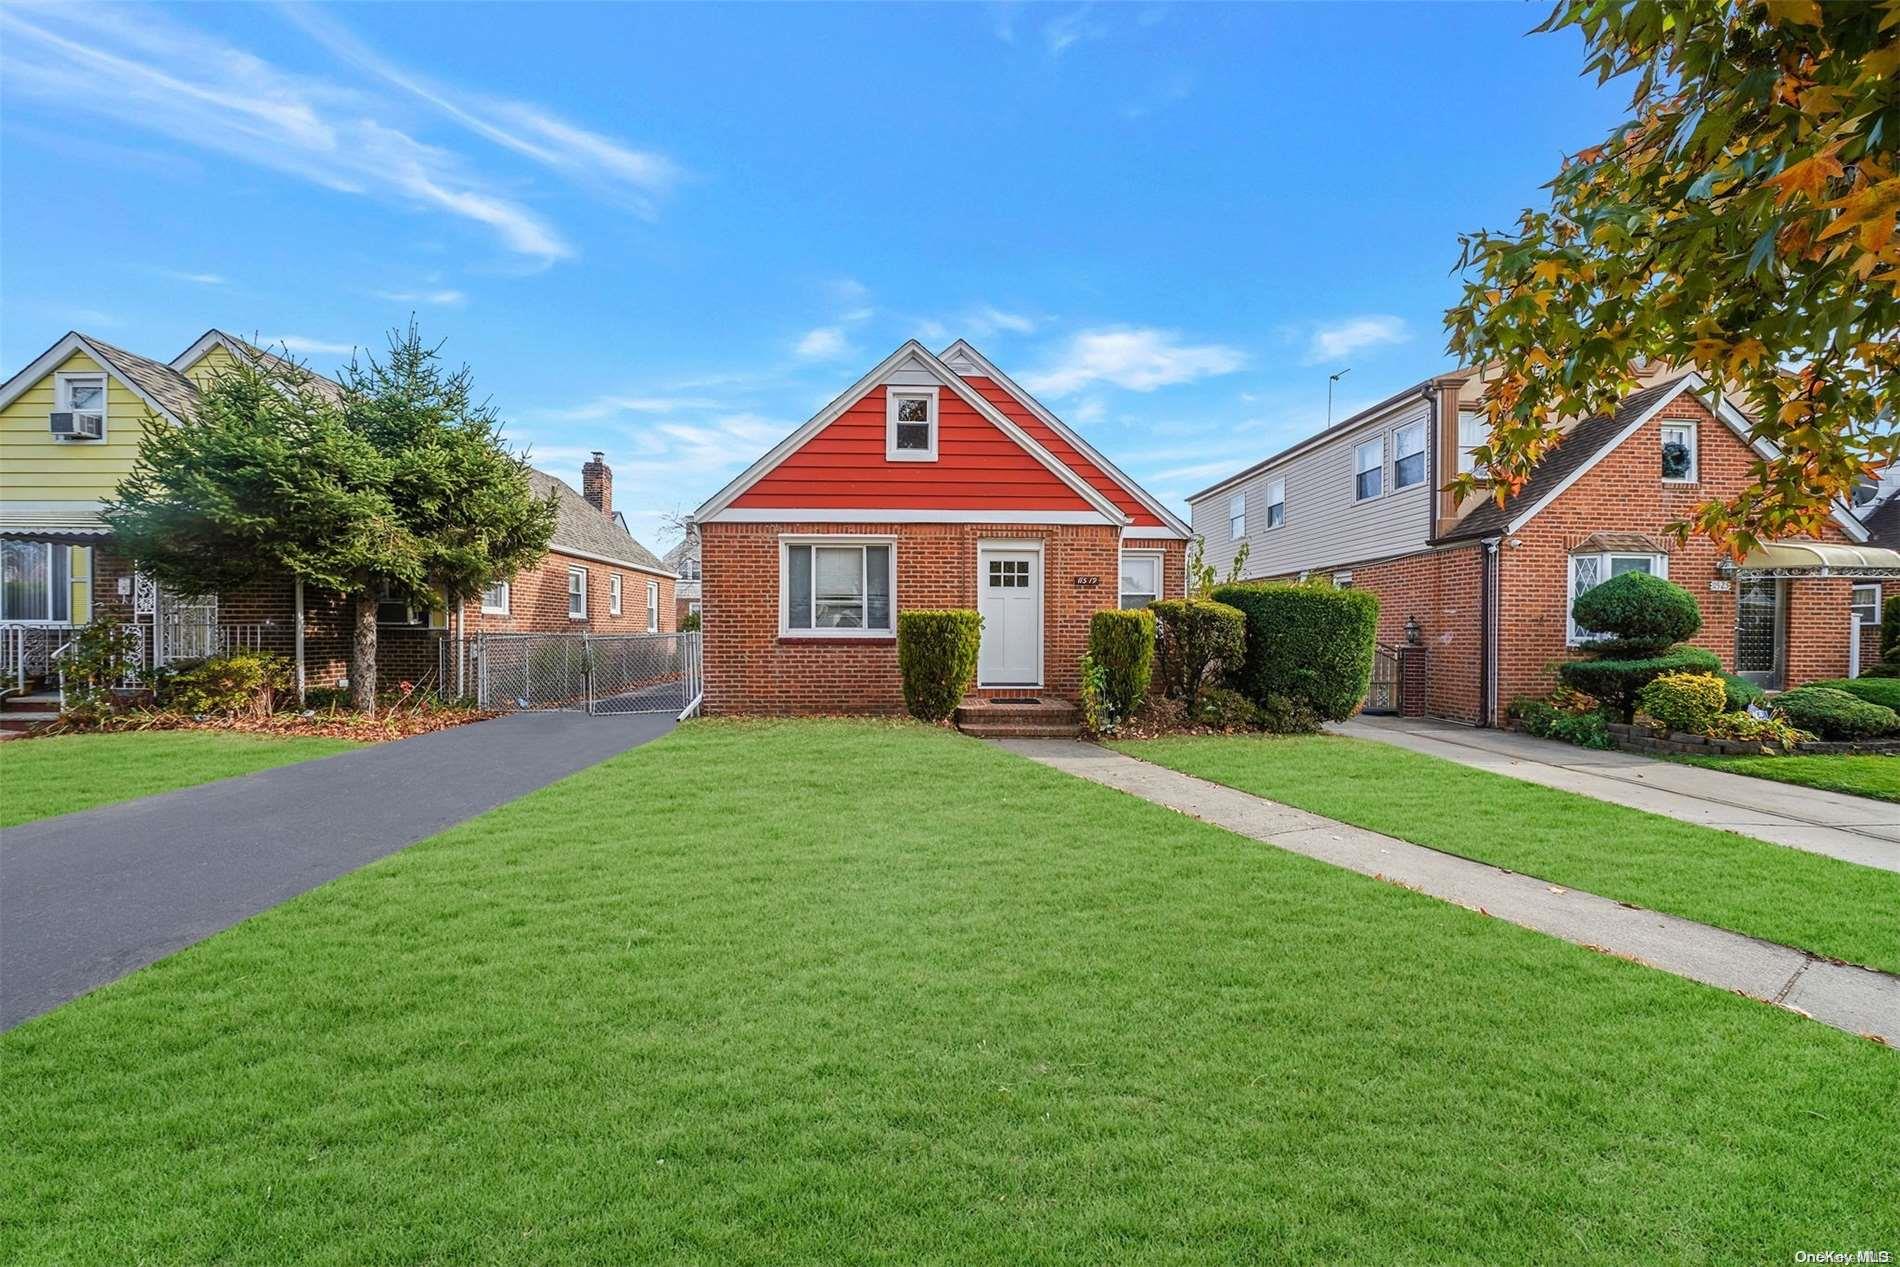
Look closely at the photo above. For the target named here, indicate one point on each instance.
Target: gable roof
(581, 530)
(159, 385)
(246, 350)
(1585, 445)
(910, 351)
(1883, 522)
(964, 359)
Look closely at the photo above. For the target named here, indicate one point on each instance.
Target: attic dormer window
(910, 424)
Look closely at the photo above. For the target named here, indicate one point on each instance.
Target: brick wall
(750, 669)
(537, 601)
(1440, 589)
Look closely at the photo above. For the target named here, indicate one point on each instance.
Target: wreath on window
(1675, 460)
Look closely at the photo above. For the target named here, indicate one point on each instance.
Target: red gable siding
(1018, 413)
(977, 468)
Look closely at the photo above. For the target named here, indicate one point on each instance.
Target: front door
(1010, 584)
(1761, 616)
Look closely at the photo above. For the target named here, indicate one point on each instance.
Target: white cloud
(145, 71)
(1355, 334)
(826, 343)
(298, 345)
(608, 406)
(987, 320)
(1085, 411)
(196, 279)
(1137, 358)
(1061, 34)
(439, 298)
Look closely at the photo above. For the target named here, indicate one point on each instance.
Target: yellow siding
(208, 366)
(80, 564)
(36, 467)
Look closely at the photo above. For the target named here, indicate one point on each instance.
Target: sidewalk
(1857, 1000)
(1851, 828)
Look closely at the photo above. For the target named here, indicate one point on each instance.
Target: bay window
(837, 587)
(1587, 571)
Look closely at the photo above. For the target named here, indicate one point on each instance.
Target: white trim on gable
(48, 361)
(206, 341)
(961, 353)
(889, 515)
(911, 357)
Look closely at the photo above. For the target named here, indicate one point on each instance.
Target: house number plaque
(1087, 582)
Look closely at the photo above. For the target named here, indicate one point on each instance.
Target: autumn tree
(1741, 221)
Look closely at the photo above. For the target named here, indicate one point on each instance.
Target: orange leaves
(1809, 177)
(1872, 211)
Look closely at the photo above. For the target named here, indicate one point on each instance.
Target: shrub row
(1308, 646)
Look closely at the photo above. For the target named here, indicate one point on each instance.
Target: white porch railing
(26, 650)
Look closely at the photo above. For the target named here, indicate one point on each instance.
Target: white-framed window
(577, 593)
(1342, 580)
(653, 606)
(1237, 516)
(689, 568)
(837, 587)
(910, 424)
(1587, 571)
(1141, 577)
(1474, 431)
(1408, 455)
(1368, 469)
(35, 585)
(613, 594)
(81, 394)
(1276, 503)
(393, 609)
(1866, 604)
(495, 599)
(1678, 452)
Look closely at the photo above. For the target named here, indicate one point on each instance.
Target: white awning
(1820, 558)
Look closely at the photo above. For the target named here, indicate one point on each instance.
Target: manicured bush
(1283, 716)
(1740, 693)
(936, 653)
(1310, 644)
(1884, 691)
(1882, 668)
(1615, 682)
(1890, 630)
(1833, 714)
(1225, 709)
(1122, 645)
(1684, 701)
(243, 683)
(1636, 615)
(1196, 639)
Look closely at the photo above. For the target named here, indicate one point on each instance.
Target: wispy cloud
(437, 298)
(1137, 358)
(602, 407)
(1062, 33)
(1354, 334)
(196, 279)
(299, 345)
(826, 343)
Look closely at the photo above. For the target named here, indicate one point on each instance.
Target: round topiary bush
(936, 654)
(1684, 701)
(1615, 682)
(1832, 714)
(1308, 644)
(1636, 614)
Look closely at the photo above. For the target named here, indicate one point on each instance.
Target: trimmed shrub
(1833, 714)
(1881, 668)
(1890, 630)
(1554, 720)
(1308, 644)
(1684, 701)
(936, 653)
(1615, 682)
(1122, 645)
(1283, 716)
(1225, 709)
(1195, 639)
(1636, 615)
(1884, 691)
(1740, 693)
(239, 683)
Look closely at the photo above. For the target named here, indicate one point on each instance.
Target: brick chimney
(597, 484)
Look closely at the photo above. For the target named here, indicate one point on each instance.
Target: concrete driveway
(86, 898)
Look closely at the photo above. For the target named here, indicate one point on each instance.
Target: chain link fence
(597, 673)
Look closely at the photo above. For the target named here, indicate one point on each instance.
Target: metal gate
(1383, 695)
(598, 673)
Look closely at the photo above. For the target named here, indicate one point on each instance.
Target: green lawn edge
(1824, 905)
(63, 774)
(1872, 776)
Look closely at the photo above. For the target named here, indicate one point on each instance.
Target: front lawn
(43, 777)
(860, 993)
(1874, 776)
(1800, 899)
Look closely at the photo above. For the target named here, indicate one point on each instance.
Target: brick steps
(1045, 719)
(23, 712)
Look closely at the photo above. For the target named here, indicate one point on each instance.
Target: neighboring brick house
(59, 567)
(683, 561)
(1488, 588)
(933, 481)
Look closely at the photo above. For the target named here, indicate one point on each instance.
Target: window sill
(836, 640)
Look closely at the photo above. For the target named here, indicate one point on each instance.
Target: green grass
(1786, 895)
(851, 993)
(1875, 776)
(43, 777)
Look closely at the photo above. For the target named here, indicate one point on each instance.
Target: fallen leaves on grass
(327, 723)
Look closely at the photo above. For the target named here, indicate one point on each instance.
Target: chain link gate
(598, 673)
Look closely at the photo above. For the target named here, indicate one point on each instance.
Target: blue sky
(673, 232)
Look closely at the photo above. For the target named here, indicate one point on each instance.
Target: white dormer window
(910, 424)
(83, 396)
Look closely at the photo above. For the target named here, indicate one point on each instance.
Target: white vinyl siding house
(1321, 522)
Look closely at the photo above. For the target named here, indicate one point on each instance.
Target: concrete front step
(1007, 730)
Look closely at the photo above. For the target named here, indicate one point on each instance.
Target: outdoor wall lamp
(1411, 630)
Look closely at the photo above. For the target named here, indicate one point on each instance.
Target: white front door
(1010, 589)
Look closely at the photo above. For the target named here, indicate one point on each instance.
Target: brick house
(1486, 589)
(58, 568)
(683, 561)
(933, 481)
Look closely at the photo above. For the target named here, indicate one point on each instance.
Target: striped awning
(1819, 558)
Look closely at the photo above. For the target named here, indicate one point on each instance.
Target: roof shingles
(580, 527)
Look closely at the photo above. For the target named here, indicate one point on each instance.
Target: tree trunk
(363, 657)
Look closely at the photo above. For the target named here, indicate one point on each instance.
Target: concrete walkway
(86, 898)
(1852, 828)
(1858, 1000)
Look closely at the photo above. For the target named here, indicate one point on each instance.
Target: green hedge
(1306, 644)
(1636, 614)
(1890, 628)
(1884, 691)
(1196, 640)
(1123, 644)
(1833, 714)
(1615, 683)
(1740, 693)
(936, 653)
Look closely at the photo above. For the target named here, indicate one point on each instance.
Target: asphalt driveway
(88, 897)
